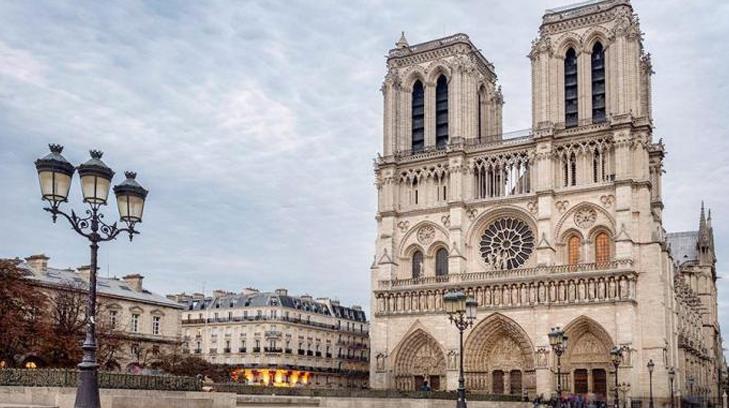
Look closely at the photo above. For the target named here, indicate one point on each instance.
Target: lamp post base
(461, 403)
(87, 394)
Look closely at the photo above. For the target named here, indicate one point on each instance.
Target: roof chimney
(282, 292)
(84, 271)
(218, 293)
(135, 281)
(39, 263)
(249, 291)
(357, 308)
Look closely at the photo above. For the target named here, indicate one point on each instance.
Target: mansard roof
(263, 299)
(683, 246)
(114, 287)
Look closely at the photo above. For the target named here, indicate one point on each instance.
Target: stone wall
(64, 398)
(116, 398)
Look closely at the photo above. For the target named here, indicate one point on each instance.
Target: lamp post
(558, 341)
(671, 377)
(651, 366)
(616, 354)
(461, 312)
(55, 174)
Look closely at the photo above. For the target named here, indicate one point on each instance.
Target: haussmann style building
(559, 226)
(279, 340)
(145, 325)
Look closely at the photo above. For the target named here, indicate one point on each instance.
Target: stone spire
(703, 229)
(402, 42)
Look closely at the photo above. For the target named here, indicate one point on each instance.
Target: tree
(186, 365)
(22, 312)
(67, 314)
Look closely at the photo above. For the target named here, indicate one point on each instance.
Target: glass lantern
(455, 302)
(471, 306)
(95, 179)
(130, 196)
(54, 175)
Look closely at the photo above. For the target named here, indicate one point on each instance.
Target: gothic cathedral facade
(560, 226)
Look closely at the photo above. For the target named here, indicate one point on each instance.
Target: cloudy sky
(254, 125)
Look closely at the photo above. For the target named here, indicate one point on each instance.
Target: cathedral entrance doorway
(419, 359)
(499, 357)
(588, 357)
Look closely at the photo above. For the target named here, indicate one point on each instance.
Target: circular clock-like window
(507, 243)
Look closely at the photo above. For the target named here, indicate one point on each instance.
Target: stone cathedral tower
(560, 225)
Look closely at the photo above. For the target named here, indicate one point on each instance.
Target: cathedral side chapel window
(598, 83)
(417, 266)
(418, 117)
(441, 262)
(602, 248)
(570, 88)
(573, 250)
(441, 112)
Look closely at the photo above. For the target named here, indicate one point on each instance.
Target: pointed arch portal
(419, 358)
(499, 357)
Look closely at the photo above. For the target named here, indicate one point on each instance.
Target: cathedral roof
(683, 245)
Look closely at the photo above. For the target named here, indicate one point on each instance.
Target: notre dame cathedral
(560, 226)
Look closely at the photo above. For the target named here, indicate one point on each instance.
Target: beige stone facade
(275, 339)
(146, 325)
(557, 226)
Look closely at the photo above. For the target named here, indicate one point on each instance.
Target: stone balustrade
(524, 287)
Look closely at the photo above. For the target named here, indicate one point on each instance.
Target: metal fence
(355, 393)
(69, 378)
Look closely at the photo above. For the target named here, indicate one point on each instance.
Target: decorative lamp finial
(55, 148)
(96, 154)
(130, 175)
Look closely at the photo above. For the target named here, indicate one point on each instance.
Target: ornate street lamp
(671, 377)
(461, 312)
(616, 355)
(55, 174)
(558, 341)
(651, 366)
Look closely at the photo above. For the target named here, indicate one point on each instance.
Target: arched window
(598, 83)
(417, 264)
(570, 88)
(441, 262)
(602, 248)
(418, 117)
(441, 112)
(573, 250)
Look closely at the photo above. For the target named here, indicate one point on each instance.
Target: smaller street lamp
(616, 355)
(558, 341)
(461, 312)
(651, 366)
(671, 377)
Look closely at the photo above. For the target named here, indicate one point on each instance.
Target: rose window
(507, 243)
